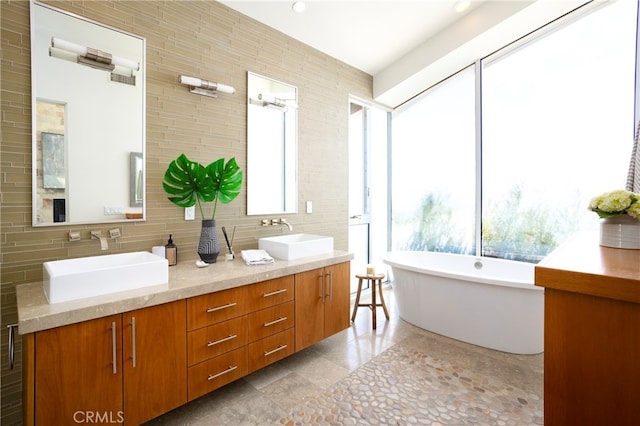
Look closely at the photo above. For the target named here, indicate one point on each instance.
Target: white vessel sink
(295, 246)
(73, 279)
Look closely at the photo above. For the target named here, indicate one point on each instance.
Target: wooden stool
(373, 305)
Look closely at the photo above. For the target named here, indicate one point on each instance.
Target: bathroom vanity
(591, 334)
(131, 356)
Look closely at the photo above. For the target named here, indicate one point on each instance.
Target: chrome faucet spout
(282, 222)
(97, 235)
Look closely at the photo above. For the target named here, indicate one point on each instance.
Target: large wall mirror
(272, 159)
(88, 97)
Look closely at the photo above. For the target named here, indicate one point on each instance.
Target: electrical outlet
(190, 213)
(309, 206)
(113, 210)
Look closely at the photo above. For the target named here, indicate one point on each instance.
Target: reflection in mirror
(271, 146)
(88, 97)
(136, 189)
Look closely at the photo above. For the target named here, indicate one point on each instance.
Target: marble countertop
(185, 280)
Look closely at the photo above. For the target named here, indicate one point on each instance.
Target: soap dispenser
(171, 252)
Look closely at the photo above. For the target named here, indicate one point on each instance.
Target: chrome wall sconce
(266, 100)
(90, 56)
(205, 87)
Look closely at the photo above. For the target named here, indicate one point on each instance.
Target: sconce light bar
(93, 57)
(272, 100)
(205, 87)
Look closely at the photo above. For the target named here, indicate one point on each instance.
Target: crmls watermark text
(97, 417)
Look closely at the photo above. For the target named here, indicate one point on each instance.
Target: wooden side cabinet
(125, 368)
(591, 335)
(322, 303)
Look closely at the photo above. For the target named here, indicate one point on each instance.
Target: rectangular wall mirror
(88, 102)
(272, 154)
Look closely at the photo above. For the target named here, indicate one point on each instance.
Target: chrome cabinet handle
(273, 293)
(225, 339)
(279, 348)
(322, 290)
(113, 347)
(331, 285)
(228, 370)
(228, 305)
(133, 341)
(267, 324)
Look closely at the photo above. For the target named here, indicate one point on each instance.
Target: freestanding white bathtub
(484, 301)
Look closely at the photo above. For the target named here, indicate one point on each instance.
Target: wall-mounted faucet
(274, 222)
(282, 222)
(97, 235)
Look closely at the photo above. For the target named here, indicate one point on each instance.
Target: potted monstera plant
(189, 183)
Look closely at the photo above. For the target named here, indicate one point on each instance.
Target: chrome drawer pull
(113, 347)
(229, 305)
(279, 348)
(228, 370)
(133, 341)
(267, 324)
(231, 337)
(273, 293)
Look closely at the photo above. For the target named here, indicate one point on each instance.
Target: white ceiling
(368, 35)
(406, 45)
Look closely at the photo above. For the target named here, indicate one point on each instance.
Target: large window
(433, 166)
(557, 129)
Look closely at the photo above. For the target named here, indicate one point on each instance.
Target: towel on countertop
(256, 257)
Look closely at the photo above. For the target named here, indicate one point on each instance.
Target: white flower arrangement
(616, 203)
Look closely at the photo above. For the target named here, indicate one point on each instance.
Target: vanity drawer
(270, 321)
(271, 349)
(217, 372)
(216, 307)
(214, 340)
(270, 293)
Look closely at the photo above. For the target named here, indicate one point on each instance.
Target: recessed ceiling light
(298, 6)
(463, 5)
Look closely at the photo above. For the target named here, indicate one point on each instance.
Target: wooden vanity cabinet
(322, 303)
(132, 367)
(127, 367)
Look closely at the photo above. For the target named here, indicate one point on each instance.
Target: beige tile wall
(199, 38)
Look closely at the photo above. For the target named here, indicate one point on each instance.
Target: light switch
(309, 206)
(190, 213)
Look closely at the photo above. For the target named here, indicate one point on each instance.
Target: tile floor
(397, 374)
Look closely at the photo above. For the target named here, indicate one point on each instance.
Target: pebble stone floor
(397, 374)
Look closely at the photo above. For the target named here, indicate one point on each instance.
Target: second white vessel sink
(295, 246)
(72, 279)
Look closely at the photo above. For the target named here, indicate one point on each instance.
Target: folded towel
(256, 257)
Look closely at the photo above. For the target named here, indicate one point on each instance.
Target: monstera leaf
(226, 179)
(189, 182)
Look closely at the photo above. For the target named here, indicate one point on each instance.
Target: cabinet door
(337, 298)
(78, 376)
(309, 308)
(155, 361)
